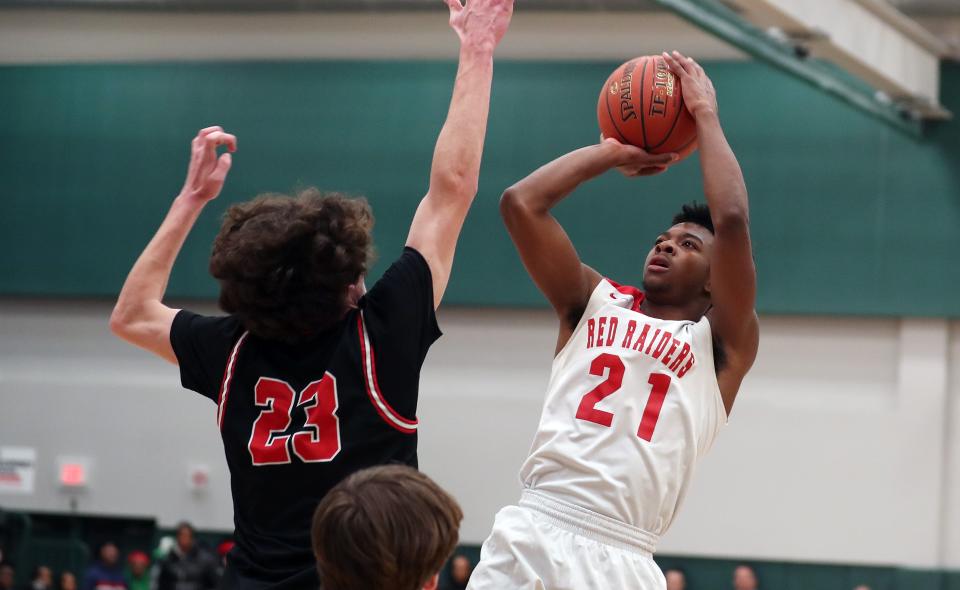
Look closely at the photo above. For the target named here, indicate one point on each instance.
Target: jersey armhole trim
(718, 397)
(587, 313)
(227, 377)
(389, 415)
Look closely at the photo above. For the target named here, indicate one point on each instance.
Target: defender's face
(679, 262)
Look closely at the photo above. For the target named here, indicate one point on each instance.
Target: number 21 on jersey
(614, 367)
(319, 439)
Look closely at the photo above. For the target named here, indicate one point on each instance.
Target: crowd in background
(178, 563)
(184, 564)
(743, 578)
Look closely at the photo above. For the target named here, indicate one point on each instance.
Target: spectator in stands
(187, 566)
(744, 578)
(42, 578)
(138, 571)
(6, 576)
(68, 581)
(460, 568)
(222, 550)
(676, 578)
(107, 573)
(862, 587)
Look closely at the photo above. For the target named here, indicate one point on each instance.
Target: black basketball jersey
(297, 419)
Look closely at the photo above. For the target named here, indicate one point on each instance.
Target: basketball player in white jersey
(642, 381)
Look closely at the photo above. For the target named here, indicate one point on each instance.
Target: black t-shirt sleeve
(203, 345)
(398, 313)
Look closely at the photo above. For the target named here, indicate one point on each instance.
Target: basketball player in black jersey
(314, 378)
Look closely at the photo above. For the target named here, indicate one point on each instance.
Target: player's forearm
(455, 172)
(723, 182)
(147, 281)
(551, 183)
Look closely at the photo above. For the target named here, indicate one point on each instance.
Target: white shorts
(546, 544)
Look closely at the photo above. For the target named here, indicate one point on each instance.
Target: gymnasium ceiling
(912, 7)
(942, 17)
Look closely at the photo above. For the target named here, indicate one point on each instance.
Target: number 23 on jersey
(319, 439)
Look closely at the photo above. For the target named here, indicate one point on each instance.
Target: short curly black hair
(285, 263)
(695, 212)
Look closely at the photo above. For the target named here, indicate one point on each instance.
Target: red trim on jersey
(227, 377)
(637, 294)
(380, 404)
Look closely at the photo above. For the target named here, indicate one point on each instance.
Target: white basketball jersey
(633, 402)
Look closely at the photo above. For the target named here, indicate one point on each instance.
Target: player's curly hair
(285, 263)
(695, 212)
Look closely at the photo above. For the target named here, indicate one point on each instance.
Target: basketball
(641, 103)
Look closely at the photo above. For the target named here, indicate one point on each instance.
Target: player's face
(678, 265)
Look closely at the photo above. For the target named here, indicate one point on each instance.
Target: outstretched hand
(207, 171)
(633, 161)
(698, 92)
(480, 23)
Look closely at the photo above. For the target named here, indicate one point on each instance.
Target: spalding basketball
(641, 104)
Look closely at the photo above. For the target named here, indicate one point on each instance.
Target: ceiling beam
(730, 26)
(869, 38)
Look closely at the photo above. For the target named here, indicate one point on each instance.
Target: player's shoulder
(226, 325)
(408, 272)
(214, 334)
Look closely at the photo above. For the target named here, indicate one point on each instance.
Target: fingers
(637, 157)
(223, 166)
(631, 172)
(203, 133)
(675, 64)
(661, 159)
(679, 64)
(218, 138)
(691, 64)
(215, 136)
(645, 169)
(652, 171)
(455, 5)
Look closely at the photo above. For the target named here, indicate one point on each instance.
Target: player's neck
(693, 310)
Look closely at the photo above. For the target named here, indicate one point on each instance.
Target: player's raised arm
(140, 317)
(733, 278)
(546, 250)
(455, 171)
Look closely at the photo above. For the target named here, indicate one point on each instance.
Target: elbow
(456, 185)
(509, 201)
(731, 219)
(121, 322)
(118, 324)
(511, 205)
